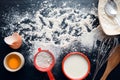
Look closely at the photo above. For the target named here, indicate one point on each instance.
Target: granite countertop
(28, 72)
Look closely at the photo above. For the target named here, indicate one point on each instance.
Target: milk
(75, 66)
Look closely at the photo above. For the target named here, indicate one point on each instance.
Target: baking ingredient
(14, 41)
(111, 10)
(75, 66)
(13, 61)
(44, 60)
(107, 23)
(55, 28)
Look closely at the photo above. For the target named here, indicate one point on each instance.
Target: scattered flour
(54, 28)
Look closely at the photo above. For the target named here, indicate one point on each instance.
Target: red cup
(88, 65)
(47, 69)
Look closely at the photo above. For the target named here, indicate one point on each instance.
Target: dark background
(28, 72)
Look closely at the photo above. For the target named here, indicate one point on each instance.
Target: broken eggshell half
(14, 41)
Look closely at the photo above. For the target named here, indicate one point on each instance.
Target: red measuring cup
(72, 65)
(45, 69)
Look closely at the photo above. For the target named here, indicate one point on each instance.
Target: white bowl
(108, 24)
(21, 58)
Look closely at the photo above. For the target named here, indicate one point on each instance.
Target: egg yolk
(13, 61)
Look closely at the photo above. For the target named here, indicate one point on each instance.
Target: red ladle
(47, 69)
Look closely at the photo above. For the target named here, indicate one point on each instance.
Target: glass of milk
(76, 66)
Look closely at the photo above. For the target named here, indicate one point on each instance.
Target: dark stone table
(28, 72)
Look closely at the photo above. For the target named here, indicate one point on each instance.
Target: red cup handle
(50, 75)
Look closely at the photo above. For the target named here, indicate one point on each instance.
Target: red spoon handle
(51, 77)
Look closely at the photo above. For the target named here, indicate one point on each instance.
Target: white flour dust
(54, 28)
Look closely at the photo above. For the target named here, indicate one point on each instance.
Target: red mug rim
(85, 57)
(40, 68)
